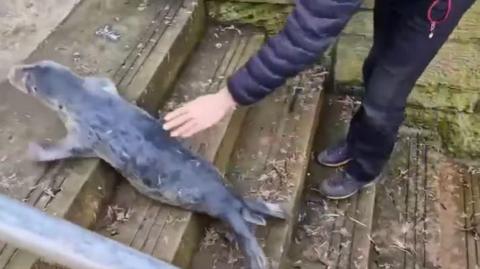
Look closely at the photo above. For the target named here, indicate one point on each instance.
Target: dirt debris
(51, 192)
(143, 5)
(115, 215)
(349, 106)
(472, 170)
(220, 246)
(276, 183)
(231, 27)
(210, 239)
(108, 33)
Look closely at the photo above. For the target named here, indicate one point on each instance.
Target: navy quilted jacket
(309, 31)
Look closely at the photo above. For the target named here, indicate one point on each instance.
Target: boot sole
(351, 194)
(334, 165)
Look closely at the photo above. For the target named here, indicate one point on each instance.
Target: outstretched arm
(310, 30)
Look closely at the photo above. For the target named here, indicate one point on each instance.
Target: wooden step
(166, 232)
(427, 212)
(270, 161)
(422, 214)
(154, 43)
(332, 234)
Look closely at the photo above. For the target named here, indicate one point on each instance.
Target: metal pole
(66, 243)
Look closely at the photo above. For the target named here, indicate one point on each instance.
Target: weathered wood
(345, 209)
(390, 224)
(475, 185)
(409, 255)
(420, 214)
(428, 231)
(331, 231)
(433, 231)
(469, 220)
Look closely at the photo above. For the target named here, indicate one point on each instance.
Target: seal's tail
(266, 209)
(247, 241)
(253, 211)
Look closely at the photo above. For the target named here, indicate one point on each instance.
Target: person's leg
(374, 129)
(383, 22)
(339, 154)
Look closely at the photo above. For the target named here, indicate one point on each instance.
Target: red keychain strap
(433, 23)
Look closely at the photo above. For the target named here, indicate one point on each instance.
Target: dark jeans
(400, 53)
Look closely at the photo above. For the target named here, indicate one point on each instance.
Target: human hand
(199, 114)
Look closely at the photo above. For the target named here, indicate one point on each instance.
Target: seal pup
(102, 124)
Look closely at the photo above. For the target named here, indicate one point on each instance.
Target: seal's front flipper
(45, 152)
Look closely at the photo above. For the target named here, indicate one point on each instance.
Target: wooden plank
(451, 217)
(348, 233)
(435, 237)
(475, 179)
(420, 214)
(360, 249)
(345, 209)
(317, 238)
(324, 238)
(411, 206)
(432, 224)
(389, 225)
(469, 217)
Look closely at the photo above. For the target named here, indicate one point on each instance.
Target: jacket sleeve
(309, 31)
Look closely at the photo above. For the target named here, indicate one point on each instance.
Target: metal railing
(65, 243)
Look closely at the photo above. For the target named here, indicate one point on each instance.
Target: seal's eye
(60, 107)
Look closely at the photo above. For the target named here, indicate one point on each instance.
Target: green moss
(420, 118)
(271, 17)
(459, 132)
(456, 66)
(445, 98)
(467, 29)
(351, 50)
(360, 24)
(368, 4)
(349, 59)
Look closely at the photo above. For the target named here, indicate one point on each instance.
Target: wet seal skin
(101, 124)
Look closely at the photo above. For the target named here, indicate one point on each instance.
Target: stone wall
(446, 99)
(268, 14)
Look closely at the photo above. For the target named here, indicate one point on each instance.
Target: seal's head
(52, 83)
